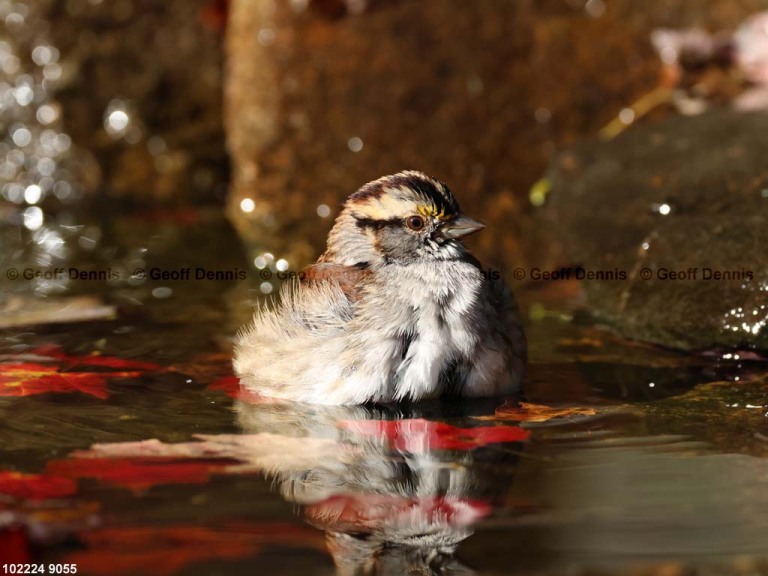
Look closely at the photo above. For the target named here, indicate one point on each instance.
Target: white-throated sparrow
(396, 308)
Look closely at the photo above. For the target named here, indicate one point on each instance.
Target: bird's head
(402, 218)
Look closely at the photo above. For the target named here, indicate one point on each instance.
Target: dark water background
(668, 473)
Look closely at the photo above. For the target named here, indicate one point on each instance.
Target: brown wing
(350, 279)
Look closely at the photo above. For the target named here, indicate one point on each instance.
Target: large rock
(478, 93)
(681, 209)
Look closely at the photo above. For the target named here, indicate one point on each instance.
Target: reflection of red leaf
(166, 550)
(420, 435)
(365, 512)
(31, 378)
(138, 473)
(230, 385)
(216, 368)
(35, 486)
(14, 547)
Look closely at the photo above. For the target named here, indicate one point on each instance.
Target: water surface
(664, 469)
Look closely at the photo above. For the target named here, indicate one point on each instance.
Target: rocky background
(322, 96)
(680, 207)
(279, 109)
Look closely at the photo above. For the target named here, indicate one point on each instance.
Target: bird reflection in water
(391, 490)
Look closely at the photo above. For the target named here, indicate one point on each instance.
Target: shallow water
(665, 473)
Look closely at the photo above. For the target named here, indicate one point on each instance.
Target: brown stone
(479, 94)
(692, 251)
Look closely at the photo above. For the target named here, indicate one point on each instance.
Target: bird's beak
(459, 227)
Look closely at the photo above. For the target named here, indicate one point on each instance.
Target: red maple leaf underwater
(53, 371)
(35, 486)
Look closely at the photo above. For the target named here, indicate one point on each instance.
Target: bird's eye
(415, 223)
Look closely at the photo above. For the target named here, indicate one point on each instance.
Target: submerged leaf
(54, 371)
(524, 412)
(31, 379)
(35, 486)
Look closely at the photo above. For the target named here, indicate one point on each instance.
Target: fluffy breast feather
(350, 336)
